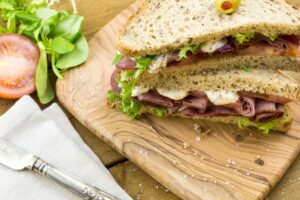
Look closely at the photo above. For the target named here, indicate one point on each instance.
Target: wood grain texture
(106, 154)
(96, 12)
(166, 148)
(139, 185)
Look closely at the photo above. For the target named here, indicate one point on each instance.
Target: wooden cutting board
(219, 166)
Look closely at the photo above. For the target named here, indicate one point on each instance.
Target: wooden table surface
(136, 182)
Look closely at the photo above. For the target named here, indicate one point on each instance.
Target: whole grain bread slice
(233, 61)
(264, 81)
(162, 26)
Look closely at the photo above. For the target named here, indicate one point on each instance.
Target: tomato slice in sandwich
(19, 58)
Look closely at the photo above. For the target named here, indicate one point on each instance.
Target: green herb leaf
(49, 24)
(26, 18)
(54, 68)
(160, 112)
(3, 30)
(69, 27)
(244, 122)
(273, 36)
(144, 62)
(244, 37)
(29, 28)
(45, 13)
(42, 82)
(61, 45)
(11, 23)
(39, 2)
(265, 127)
(76, 57)
(127, 82)
(113, 97)
(245, 68)
(4, 5)
(185, 50)
(57, 33)
(118, 58)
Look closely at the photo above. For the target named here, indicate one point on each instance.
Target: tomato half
(19, 58)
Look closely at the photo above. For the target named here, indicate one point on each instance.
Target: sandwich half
(262, 33)
(184, 58)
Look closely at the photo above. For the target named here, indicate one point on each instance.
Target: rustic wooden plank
(97, 12)
(289, 187)
(106, 154)
(138, 184)
(5, 105)
(157, 145)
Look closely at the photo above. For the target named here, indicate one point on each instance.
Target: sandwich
(185, 58)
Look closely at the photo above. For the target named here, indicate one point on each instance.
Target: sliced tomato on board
(19, 58)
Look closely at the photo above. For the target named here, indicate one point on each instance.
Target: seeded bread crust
(282, 125)
(264, 81)
(162, 26)
(232, 61)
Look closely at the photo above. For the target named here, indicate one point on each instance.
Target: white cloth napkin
(49, 135)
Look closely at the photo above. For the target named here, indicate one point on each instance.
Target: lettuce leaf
(113, 98)
(118, 58)
(242, 38)
(185, 50)
(265, 127)
(160, 112)
(273, 36)
(127, 81)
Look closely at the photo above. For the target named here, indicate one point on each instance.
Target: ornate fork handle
(71, 183)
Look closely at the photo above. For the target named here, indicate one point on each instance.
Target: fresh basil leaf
(49, 24)
(69, 27)
(27, 18)
(61, 45)
(76, 57)
(118, 58)
(4, 5)
(36, 33)
(54, 68)
(44, 89)
(244, 37)
(36, 20)
(18, 3)
(28, 27)
(3, 30)
(28, 24)
(39, 2)
(11, 23)
(45, 13)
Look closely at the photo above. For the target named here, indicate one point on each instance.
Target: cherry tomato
(19, 58)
